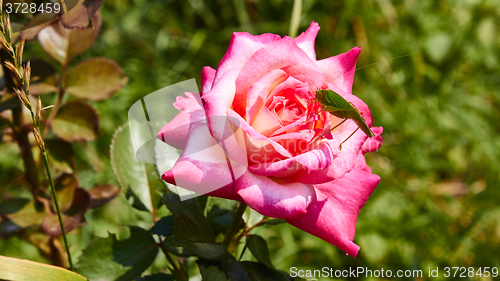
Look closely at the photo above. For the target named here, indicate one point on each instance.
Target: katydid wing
(336, 105)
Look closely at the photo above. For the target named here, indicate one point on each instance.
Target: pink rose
(257, 104)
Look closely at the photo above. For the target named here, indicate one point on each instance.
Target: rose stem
(234, 225)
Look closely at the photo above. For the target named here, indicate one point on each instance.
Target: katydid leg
(324, 134)
(340, 146)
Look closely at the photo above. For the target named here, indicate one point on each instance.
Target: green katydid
(337, 106)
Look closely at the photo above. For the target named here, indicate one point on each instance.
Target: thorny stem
(23, 74)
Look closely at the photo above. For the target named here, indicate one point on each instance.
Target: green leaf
(130, 172)
(76, 121)
(18, 270)
(43, 88)
(220, 213)
(220, 219)
(190, 208)
(190, 234)
(80, 16)
(258, 246)
(37, 23)
(95, 79)
(178, 251)
(66, 186)
(203, 250)
(259, 272)
(251, 217)
(230, 268)
(156, 184)
(157, 277)
(163, 227)
(212, 273)
(27, 216)
(101, 194)
(72, 218)
(110, 259)
(65, 44)
(136, 201)
(192, 229)
(61, 155)
(13, 205)
(233, 268)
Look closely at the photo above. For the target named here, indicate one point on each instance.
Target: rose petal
(291, 84)
(373, 143)
(255, 141)
(277, 198)
(313, 160)
(280, 54)
(333, 216)
(265, 122)
(226, 192)
(175, 133)
(306, 40)
(339, 70)
(241, 47)
(343, 162)
(295, 142)
(260, 90)
(294, 126)
(203, 165)
(361, 163)
(217, 101)
(207, 78)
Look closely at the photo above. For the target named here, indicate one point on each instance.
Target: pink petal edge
(333, 216)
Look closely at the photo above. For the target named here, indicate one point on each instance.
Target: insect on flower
(329, 100)
(337, 106)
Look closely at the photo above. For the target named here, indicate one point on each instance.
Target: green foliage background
(437, 202)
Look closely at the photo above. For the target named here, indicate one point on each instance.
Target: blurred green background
(437, 202)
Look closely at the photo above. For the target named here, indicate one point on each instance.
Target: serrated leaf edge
(111, 157)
